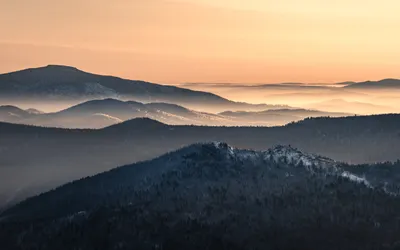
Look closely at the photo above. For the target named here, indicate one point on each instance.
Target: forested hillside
(213, 196)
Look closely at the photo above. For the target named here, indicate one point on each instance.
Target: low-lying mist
(322, 97)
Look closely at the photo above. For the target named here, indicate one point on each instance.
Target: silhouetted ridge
(55, 81)
(97, 105)
(9, 113)
(388, 122)
(167, 106)
(137, 123)
(10, 108)
(60, 67)
(80, 82)
(385, 83)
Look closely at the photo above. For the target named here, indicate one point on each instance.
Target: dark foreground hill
(213, 196)
(34, 159)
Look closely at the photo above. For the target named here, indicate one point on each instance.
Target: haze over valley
(370, 97)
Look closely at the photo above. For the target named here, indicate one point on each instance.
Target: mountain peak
(104, 101)
(55, 66)
(11, 108)
(58, 81)
(291, 155)
(52, 68)
(216, 146)
(285, 154)
(390, 80)
(138, 124)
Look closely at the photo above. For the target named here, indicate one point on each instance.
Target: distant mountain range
(10, 113)
(335, 105)
(56, 83)
(106, 112)
(214, 196)
(35, 159)
(63, 86)
(382, 84)
(278, 116)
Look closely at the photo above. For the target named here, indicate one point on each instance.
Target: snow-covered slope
(201, 164)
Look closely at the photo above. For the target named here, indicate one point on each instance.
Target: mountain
(55, 83)
(164, 112)
(9, 113)
(34, 111)
(212, 196)
(106, 112)
(277, 116)
(382, 84)
(36, 159)
(336, 105)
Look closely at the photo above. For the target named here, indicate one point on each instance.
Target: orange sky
(252, 41)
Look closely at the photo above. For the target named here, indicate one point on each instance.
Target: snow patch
(356, 178)
(13, 114)
(109, 117)
(93, 88)
(293, 156)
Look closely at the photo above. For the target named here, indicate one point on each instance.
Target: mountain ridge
(386, 83)
(363, 108)
(56, 81)
(216, 196)
(99, 113)
(219, 151)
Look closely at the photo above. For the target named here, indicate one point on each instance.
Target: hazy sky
(206, 40)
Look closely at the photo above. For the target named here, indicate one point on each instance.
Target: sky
(178, 41)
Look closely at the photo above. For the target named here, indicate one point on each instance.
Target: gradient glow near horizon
(252, 41)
